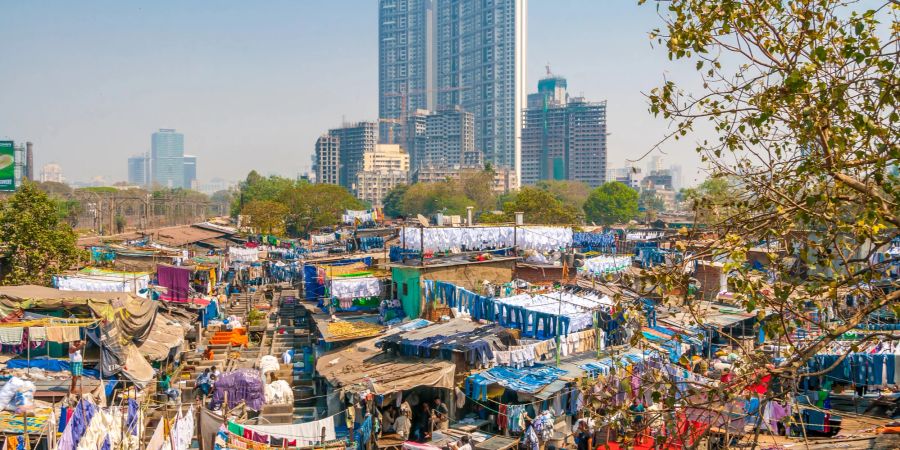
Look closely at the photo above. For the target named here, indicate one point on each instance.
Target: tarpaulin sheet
(363, 366)
(50, 365)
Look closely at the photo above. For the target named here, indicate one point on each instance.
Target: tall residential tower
(563, 138)
(473, 54)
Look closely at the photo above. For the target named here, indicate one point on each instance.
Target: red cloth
(501, 417)
(762, 386)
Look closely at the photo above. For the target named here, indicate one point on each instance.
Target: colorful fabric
(77, 368)
(12, 423)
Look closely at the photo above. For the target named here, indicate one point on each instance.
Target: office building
(445, 138)
(563, 138)
(677, 176)
(52, 173)
(326, 161)
(190, 172)
(383, 169)
(658, 179)
(405, 58)
(167, 159)
(473, 53)
(139, 170)
(353, 141)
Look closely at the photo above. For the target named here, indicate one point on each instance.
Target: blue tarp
(526, 379)
(52, 365)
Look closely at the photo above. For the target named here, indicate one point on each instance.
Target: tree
(258, 187)
(651, 203)
(539, 206)
(572, 193)
(312, 206)
(479, 187)
(711, 201)
(393, 201)
(34, 244)
(266, 216)
(802, 100)
(431, 198)
(611, 203)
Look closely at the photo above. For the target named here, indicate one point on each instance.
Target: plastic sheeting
(242, 385)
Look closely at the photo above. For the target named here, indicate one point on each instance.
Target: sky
(253, 84)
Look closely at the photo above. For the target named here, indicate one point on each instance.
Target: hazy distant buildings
(139, 170)
(563, 138)
(52, 172)
(190, 172)
(443, 139)
(438, 54)
(383, 168)
(352, 142)
(167, 158)
(327, 160)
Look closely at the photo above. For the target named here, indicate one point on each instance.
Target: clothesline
(286, 436)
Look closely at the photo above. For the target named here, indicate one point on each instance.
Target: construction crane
(403, 106)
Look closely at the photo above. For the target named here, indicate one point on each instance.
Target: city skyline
(267, 92)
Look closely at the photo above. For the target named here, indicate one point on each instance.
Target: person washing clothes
(76, 363)
(204, 383)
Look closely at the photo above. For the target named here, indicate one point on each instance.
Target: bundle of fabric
(242, 385)
(279, 392)
(267, 363)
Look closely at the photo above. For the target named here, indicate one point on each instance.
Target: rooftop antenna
(549, 73)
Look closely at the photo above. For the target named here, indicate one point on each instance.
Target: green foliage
(393, 201)
(34, 244)
(611, 203)
(649, 200)
(711, 201)
(301, 206)
(802, 100)
(311, 206)
(571, 193)
(266, 216)
(539, 206)
(431, 198)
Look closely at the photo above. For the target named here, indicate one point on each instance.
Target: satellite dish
(423, 220)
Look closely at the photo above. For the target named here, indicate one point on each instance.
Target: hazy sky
(252, 84)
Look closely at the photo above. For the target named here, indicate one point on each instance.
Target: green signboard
(7, 166)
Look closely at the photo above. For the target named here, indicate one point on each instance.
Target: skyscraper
(327, 160)
(139, 170)
(563, 138)
(167, 158)
(480, 65)
(353, 142)
(190, 171)
(405, 59)
(445, 138)
(473, 52)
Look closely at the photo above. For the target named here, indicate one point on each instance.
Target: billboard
(7, 166)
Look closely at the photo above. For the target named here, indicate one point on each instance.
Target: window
(405, 289)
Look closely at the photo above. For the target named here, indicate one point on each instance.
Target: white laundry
(350, 288)
(279, 392)
(102, 282)
(606, 264)
(578, 308)
(306, 434)
(268, 363)
(479, 238)
(243, 254)
(322, 238)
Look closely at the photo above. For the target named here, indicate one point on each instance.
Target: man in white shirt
(76, 363)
